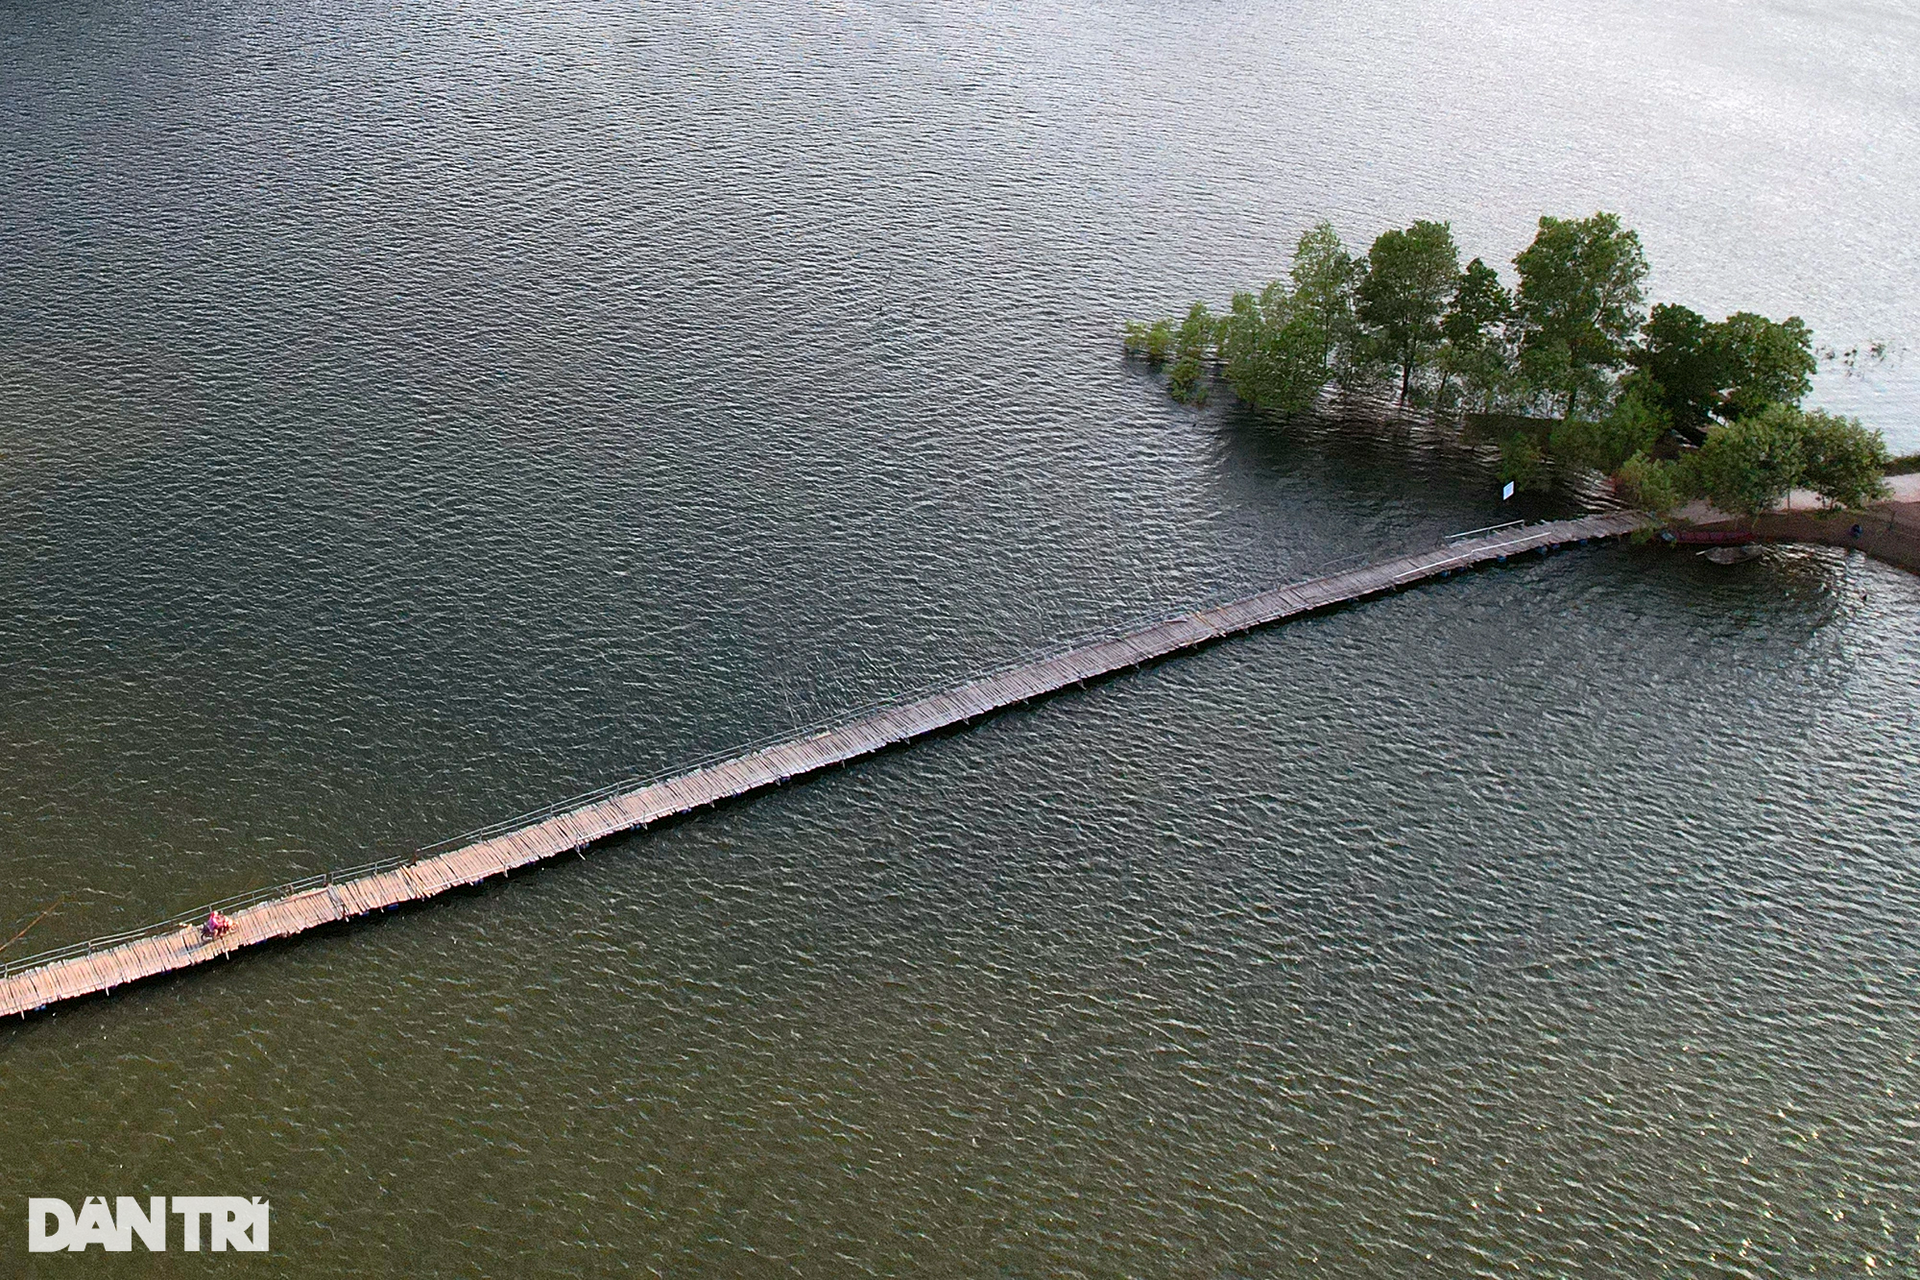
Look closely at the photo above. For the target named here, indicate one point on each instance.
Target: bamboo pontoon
(91, 968)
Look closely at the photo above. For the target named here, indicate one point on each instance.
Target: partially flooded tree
(1278, 348)
(1633, 425)
(1324, 275)
(1575, 333)
(1193, 344)
(1276, 354)
(1410, 277)
(1579, 306)
(1474, 331)
(1523, 461)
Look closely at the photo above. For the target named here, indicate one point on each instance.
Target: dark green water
(408, 416)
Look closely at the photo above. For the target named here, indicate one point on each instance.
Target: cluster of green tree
(1745, 467)
(1573, 334)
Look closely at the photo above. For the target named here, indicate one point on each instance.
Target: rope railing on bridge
(193, 917)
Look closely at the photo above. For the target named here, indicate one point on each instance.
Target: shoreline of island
(1888, 530)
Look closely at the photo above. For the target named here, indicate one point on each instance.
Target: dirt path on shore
(1888, 530)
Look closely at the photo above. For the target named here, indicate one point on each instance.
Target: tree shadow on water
(1357, 476)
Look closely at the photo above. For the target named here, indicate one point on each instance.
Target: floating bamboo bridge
(89, 968)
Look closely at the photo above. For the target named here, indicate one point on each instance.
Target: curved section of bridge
(103, 964)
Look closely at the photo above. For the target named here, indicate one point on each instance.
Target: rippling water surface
(409, 414)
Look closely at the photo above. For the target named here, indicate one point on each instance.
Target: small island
(1691, 418)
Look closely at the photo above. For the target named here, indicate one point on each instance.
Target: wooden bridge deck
(67, 975)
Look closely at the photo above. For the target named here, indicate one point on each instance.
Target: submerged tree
(1579, 305)
(1409, 279)
(1191, 345)
(1278, 348)
(1575, 333)
(1151, 342)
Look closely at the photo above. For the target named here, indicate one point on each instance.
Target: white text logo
(230, 1222)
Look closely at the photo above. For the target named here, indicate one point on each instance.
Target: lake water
(411, 414)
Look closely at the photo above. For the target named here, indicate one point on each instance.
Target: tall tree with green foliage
(1579, 305)
(1682, 367)
(1324, 275)
(1410, 277)
(1474, 348)
(1697, 370)
(1764, 361)
(1572, 322)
